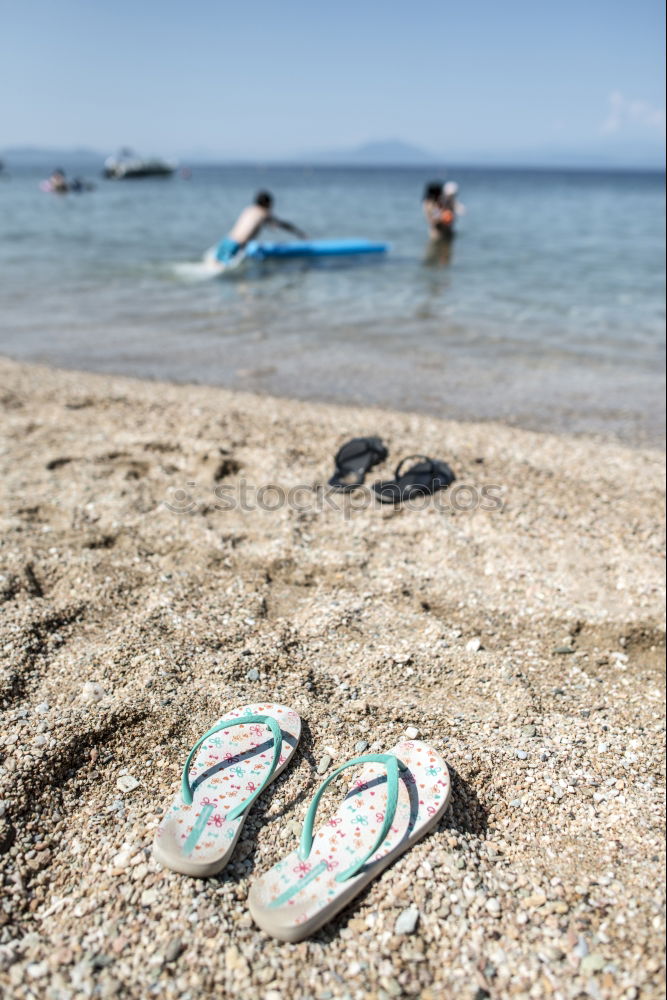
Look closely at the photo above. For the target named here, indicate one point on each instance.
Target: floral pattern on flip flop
(228, 768)
(423, 794)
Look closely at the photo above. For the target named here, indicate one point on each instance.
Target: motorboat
(128, 166)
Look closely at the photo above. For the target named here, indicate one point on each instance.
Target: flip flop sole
(199, 839)
(295, 898)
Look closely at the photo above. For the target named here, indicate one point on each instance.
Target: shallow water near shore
(547, 312)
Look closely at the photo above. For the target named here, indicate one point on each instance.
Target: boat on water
(128, 166)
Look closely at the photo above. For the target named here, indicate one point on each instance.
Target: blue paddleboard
(313, 248)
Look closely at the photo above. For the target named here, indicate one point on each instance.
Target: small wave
(193, 271)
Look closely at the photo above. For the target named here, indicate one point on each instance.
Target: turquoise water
(548, 313)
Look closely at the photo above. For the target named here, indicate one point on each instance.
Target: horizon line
(324, 162)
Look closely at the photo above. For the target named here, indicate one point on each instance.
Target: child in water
(248, 225)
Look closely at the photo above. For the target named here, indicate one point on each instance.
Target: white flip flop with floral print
(395, 800)
(227, 768)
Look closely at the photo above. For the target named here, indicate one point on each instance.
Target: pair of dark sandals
(359, 455)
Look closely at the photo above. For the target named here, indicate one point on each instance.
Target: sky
(476, 81)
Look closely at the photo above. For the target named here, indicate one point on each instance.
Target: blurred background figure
(451, 208)
(58, 182)
(441, 208)
(432, 208)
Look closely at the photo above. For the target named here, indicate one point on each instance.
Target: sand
(525, 641)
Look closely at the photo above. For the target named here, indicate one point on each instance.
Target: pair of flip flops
(394, 800)
(358, 456)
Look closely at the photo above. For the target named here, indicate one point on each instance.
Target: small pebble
(412, 733)
(127, 783)
(92, 692)
(406, 922)
(592, 963)
(521, 754)
(474, 645)
(173, 950)
(324, 764)
(361, 746)
(252, 674)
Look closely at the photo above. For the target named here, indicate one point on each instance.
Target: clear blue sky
(469, 80)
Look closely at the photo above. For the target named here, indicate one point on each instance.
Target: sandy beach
(146, 587)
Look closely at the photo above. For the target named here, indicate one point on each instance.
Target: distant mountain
(28, 156)
(386, 152)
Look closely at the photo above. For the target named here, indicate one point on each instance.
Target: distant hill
(28, 156)
(386, 152)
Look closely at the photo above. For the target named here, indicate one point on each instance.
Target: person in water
(58, 181)
(249, 224)
(441, 208)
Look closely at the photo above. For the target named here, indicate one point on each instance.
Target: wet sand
(141, 597)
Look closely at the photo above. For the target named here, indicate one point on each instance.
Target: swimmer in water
(58, 181)
(249, 224)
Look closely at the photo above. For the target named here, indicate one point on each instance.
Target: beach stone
(91, 691)
(174, 950)
(521, 754)
(474, 645)
(149, 897)
(592, 963)
(493, 907)
(412, 733)
(528, 731)
(252, 674)
(42, 708)
(563, 650)
(324, 764)
(537, 899)
(406, 922)
(361, 746)
(127, 783)
(37, 970)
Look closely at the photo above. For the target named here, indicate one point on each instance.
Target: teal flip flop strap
(392, 766)
(266, 720)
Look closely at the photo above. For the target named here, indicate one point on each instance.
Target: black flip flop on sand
(354, 460)
(421, 479)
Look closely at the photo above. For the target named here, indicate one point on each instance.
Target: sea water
(546, 311)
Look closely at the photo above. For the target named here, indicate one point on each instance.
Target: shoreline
(563, 416)
(526, 644)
